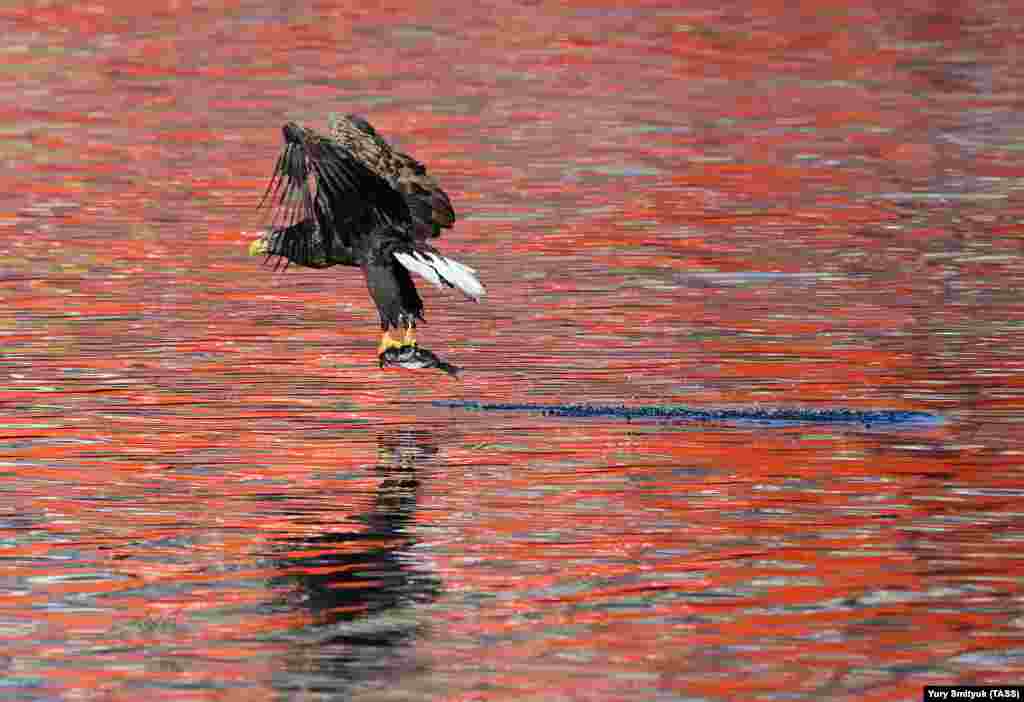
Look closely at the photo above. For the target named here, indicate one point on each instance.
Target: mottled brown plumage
(427, 202)
(348, 198)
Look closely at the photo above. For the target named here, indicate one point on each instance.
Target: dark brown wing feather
(429, 206)
(318, 180)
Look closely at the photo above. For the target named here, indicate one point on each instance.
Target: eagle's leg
(396, 299)
(410, 335)
(386, 342)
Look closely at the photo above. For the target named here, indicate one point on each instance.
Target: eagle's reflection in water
(361, 587)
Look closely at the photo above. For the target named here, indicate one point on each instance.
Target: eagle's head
(300, 244)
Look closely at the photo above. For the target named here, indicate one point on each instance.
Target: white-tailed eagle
(348, 198)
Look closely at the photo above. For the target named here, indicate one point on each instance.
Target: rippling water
(211, 492)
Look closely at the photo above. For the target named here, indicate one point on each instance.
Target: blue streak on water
(742, 415)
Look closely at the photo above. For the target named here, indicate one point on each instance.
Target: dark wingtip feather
(270, 186)
(288, 195)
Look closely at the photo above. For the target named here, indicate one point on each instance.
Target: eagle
(349, 198)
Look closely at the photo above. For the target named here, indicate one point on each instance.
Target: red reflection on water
(763, 205)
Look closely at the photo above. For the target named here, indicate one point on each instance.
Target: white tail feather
(438, 270)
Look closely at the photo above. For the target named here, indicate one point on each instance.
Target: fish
(415, 357)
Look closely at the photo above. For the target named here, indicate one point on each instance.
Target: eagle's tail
(442, 271)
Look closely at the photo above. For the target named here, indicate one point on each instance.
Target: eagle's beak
(258, 247)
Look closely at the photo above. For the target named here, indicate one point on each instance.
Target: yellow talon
(410, 337)
(386, 342)
(258, 247)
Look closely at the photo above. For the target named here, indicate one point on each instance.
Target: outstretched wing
(319, 180)
(429, 206)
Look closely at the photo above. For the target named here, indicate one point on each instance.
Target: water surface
(211, 492)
